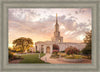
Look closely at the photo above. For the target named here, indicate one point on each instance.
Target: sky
(38, 23)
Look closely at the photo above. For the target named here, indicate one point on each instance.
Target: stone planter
(73, 60)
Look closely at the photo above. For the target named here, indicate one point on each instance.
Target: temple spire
(56, 19)
(56, 25)
(57, 37)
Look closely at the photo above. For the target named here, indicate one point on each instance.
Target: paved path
(47, 58)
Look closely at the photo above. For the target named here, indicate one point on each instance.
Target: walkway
(47, 58)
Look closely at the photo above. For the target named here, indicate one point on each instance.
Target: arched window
(48, 49)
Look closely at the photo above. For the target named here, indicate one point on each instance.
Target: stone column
(44, 49)
(51, 49)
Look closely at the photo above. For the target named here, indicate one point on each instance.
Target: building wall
(62, 46)
(44, 45)
(51, 48)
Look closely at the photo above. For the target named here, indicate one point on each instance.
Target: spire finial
(56, 19)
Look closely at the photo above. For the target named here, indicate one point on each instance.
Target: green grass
(32, 58)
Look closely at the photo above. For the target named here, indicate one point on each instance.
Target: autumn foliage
(71, 50)
(21, 44)
(55, 48)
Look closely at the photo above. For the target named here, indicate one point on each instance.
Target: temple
(48, 46)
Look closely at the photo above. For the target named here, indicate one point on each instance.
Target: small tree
(22, 44)
(88, 40)
(71, 50)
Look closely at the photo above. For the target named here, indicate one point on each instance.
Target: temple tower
(57, 37)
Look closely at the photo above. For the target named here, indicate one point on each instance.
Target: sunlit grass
(32, 58)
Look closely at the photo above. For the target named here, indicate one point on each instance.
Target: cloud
(25, 15)
(31, 23)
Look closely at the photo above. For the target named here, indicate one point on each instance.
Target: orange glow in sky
(38, 24)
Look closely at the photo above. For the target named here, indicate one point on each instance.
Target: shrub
(55, 52)
(55, 47)
(10, 55)
(37, 52)
(71, 50)
(62, 51)
(86, 51)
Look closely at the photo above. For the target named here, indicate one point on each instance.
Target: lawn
(32, 58)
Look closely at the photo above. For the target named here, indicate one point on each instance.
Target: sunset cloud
(38, 24)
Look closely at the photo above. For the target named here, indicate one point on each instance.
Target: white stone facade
(47, 46)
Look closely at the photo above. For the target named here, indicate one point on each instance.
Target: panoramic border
(43, 4)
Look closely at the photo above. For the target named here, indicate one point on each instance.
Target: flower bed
(73, 58)
(62, 54)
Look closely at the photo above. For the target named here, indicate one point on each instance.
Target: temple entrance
(48, 49)
(55, 48)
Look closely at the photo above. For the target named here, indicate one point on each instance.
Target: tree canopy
(71, 50)
(88, 37)
(88, 41)
(22, 44)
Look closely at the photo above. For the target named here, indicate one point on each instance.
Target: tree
(21, 44)
(9, 48)
(87, 40)
(71, 50)
(88, 37)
